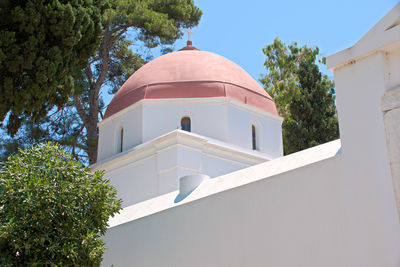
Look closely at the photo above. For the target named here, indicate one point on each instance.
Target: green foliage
(52, 210)
(303, 96)
(41, 45)
(126, 24)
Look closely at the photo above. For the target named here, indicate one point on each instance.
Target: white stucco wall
(218, 118)
(299, 210)
(364, 76)
(268, 131)
(109, 132)
(208, 118)
(391, 113)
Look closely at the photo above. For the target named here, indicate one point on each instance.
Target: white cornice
(186, 139)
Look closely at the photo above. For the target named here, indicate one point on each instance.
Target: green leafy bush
(53, 210)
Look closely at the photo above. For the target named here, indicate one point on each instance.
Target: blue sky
(238, 30)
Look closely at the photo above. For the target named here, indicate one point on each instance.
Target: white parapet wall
(367, 78)
(391, 113)
(298, 210)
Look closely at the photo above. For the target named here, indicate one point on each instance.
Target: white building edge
(331, 205)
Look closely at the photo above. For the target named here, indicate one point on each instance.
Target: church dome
(191, 73)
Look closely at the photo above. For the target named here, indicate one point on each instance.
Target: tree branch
(79, 109)
(105, 57)
(101, 114)
(118, 35)
(89, 75)
(63, 142)
(119, 29)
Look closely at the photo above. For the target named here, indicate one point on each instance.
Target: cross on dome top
(189, 44)
(189, 33)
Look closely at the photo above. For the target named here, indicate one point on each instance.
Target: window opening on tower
(253, 137)
(185, 124)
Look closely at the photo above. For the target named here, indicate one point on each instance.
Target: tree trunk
(92, 139)
(94, 91)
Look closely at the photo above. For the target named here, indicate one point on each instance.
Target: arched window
(254, 137)
(185, 124)
(120, 144)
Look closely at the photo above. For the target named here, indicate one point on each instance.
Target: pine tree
(41, 45)
(304, 97)
(126, 23)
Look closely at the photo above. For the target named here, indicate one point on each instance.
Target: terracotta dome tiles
(191, 73)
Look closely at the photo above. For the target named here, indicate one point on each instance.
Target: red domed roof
(191, 73)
